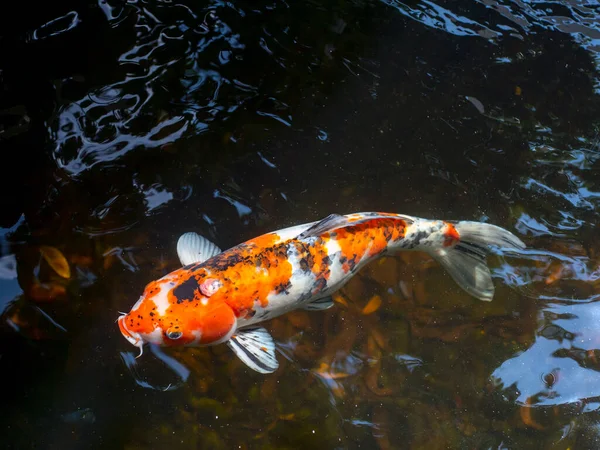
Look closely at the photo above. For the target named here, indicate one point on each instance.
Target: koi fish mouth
(134, 338)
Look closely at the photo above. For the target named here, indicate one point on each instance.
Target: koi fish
(220, 296)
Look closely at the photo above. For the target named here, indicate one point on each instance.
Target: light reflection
(435, 16)
(150, 375)
(580, 24)
(9, 286)
(155, 196)
(56, 26)
(566, 347)
(242, 210)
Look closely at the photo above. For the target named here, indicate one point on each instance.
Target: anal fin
(256, 349)
(320, 304)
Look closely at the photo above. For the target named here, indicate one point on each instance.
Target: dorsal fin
(334, 221)
(331, 222)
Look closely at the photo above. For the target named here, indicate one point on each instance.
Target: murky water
(125, 124)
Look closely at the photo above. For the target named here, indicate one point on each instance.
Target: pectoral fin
(319, 305)
(255, 347)
(193, 249)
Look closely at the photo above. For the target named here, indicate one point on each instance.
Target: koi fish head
(178, 310)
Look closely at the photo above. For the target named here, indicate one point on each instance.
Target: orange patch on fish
(315, 258)
(216, 322)
(451, 236)
(266, 240)
(368, 238)
(140, 320)
(263, 271)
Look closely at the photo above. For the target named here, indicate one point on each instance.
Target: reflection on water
(563, 356)
(126, 124)
(170, 365)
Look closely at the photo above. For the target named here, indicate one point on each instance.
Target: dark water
(125, 124)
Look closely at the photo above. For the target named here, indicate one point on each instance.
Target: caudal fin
(466, 261)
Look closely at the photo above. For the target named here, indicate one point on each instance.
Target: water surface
(125, 124)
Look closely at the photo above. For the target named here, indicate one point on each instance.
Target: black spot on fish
(421, 234)
(304, 296)
(304, 265)
(327, 260)
(387, 233)
(280, 251)
(151, 314)
(319, 285)
(226, 260)
(283, 288)
(263, 262)
(266, 314)
(185, 292)
(229, 258)
(472, 249)
(415, 240)
(352, 261)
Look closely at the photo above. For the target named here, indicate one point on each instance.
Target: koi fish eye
(174, 334)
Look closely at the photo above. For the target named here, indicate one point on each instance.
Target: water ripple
(556, 368)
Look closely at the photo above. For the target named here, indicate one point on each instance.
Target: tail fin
(466, 261)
